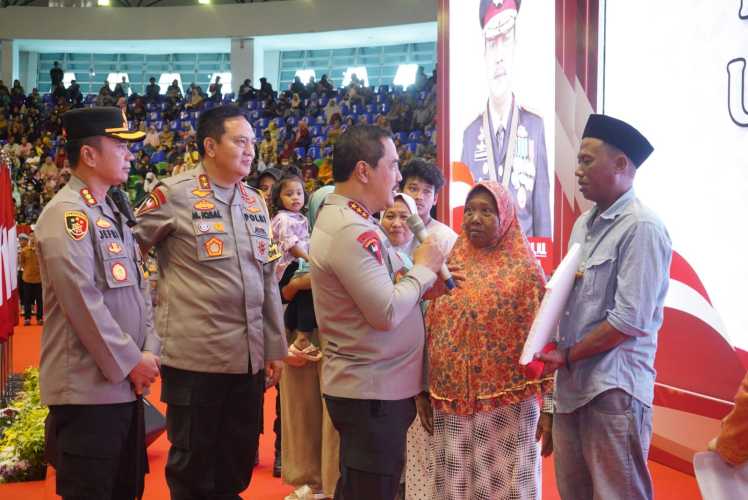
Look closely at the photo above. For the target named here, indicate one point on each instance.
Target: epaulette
(531, 111)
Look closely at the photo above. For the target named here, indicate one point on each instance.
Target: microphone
(419, 230)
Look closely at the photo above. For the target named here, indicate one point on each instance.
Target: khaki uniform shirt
(98, 310)
(219, 303)
(372, 326)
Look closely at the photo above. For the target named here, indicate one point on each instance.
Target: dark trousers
(277, 421)
(372, 445)
(33, 295)
(98, 451)
(213, 422)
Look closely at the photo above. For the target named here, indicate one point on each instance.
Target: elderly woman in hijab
(310, 444)
(485, 410)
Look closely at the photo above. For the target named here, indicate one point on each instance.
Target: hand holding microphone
(429, 252)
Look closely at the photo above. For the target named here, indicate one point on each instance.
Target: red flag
(8, 254)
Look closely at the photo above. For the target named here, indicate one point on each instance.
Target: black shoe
(257, 457)
(277, 466)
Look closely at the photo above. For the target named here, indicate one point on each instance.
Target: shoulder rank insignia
(214, 247)
(103, 223)
(88, 198)
(203, 182)
(370, 241)
(76, 224)
(204, 205)
(154, 201)
(358, 209)
(201, 193)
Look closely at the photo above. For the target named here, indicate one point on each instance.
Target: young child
(291, 232)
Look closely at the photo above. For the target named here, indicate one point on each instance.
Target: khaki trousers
(310, 445)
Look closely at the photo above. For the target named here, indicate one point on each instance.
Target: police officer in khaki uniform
(99, 351)
(220, 315)
(372, 327)
(506, 142)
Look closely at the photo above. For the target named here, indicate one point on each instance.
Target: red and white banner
(8, 255)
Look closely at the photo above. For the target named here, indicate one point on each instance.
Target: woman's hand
(545, 432)
(440, 288)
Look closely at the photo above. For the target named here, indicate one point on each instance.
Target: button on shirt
(626, 253)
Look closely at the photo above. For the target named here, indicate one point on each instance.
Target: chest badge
(114, 248)
(119, 272)
(203, 227)
(214, 247)
(76, 224)
(218, 226)
(201, 193)
(103, 223)
(203, 182)
(204, 205)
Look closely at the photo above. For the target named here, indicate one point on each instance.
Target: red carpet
(669, 484)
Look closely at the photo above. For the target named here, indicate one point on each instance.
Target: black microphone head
(415, 224)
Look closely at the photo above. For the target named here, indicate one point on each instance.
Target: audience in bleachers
(294, 127)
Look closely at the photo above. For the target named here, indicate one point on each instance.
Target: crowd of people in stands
(296, 127)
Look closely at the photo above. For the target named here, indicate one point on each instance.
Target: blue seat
(315, 130)
(158, 157)
(314, 152)
(292, 120)
(136, 146)
(370, 108)
(254, 114)
(251, 104)
(327, 151)
(320, 120)
(415, 136)
(159, 125)
(300, 152)
(184, 115)
(264, 122)
(318, 141)
(412, 147)
(384, 107)
(279, 122)
(403, 136)
(153, 116)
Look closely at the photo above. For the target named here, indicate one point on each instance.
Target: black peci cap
(620, 134)
(91, 122)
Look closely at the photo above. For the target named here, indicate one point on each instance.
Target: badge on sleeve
(154, 201)
(214, 247)
(370, 241)
(76, 224)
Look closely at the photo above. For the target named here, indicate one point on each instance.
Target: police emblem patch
(103, 223)
(203, 227)
(76, 224)
(154, 200)
(214, 247)
(370, 241)
(203, 181)
(119, 272)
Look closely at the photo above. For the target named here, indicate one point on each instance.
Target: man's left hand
(273, 371)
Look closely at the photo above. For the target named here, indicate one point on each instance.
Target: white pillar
(8, 62)
(242, 62)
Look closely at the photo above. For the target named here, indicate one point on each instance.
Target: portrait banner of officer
(501, 103)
